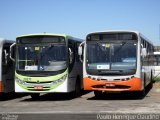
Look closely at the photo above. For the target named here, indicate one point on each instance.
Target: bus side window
(71, 46)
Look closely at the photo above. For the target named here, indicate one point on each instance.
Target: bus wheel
(35, 96)
(142, 93)
(98, 94)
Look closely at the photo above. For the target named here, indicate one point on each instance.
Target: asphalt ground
(86, 105)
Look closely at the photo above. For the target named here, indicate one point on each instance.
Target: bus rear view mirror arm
(5, 56)
(70, 55)
(80, 50)
(11, 48)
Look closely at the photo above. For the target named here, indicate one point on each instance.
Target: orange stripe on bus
(0, 86)
(134, 84)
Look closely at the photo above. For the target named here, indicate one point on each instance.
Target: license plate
(38, 87)
(110, 85)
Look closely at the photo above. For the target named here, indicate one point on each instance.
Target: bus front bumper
(133, 84)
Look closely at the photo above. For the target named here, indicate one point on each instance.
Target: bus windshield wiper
(102, 47)
(43, 53)
(120, 48)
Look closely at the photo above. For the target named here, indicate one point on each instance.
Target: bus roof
(118, 31)
(114, 31)
(49, 34)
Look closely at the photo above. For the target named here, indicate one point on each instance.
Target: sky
(79, 17)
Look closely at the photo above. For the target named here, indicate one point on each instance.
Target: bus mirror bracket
(80, 51)
(70, 55)
(6, 56)
(11, 49)
(144, 52)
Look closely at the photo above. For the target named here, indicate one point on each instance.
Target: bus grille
(39, 82)
(111, 87)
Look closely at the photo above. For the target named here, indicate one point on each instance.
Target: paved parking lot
(87, 103)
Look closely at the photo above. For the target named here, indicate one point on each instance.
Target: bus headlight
(62, 79)
(20, 81)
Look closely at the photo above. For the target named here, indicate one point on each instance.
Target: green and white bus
(47, 63)
(6, 67)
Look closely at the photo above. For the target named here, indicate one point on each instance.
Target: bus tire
(142, 93)
(35, 96)
(98, 94)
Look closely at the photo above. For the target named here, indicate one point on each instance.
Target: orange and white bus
(116, 61)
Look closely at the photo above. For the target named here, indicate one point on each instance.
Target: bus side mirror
(144, 52)
(80, 50)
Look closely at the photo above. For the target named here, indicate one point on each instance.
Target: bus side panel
(7, 70)
(133, 84)
(73, 75)
(75, 68)
(8, 84)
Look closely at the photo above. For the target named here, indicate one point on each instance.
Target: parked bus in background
(47, 63)
(6, 67)
(117, 61)
(157, 66)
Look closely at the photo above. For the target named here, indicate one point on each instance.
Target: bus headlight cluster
(20, 81)
(62, 79)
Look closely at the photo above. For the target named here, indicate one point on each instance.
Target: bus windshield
(50, 57)
(111, 58)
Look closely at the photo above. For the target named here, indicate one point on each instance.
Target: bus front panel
(111, 62)
(41, 84)
(128, 84)
(41, 64)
